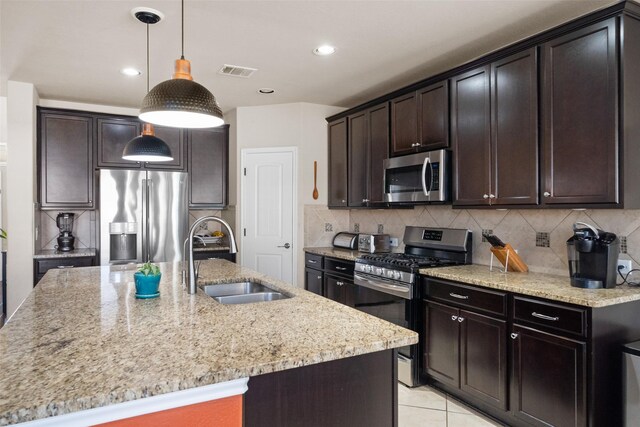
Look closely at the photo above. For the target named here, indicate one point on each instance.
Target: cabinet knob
(485, 196)
(491, 196)
(546, 194)
(460, 319)
(454, 318)
(344, 201)
(319, 277)
(514, 335)
(339, 283)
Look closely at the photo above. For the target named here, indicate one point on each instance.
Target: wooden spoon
(315, 179)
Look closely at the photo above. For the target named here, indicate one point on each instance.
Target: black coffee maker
(593, 257)
(64, 221)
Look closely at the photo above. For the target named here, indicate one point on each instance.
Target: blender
(64, 221)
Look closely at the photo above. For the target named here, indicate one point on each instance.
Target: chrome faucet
(193, 275)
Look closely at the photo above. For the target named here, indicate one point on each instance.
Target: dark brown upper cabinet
(113, 135)
(471, 137)
(208, 167)
(337, 185)
(115, 132)
(368, 145)
(580, 117)
(495, 133)
(174, 137)
(420, 120)
(65, 148)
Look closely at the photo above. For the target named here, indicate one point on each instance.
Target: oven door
(383, 299)
(420, 177)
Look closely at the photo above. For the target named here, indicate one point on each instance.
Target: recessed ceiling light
(324, 50)
(266, 90)
(130, 72)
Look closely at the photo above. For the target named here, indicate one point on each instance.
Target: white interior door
(268, 211)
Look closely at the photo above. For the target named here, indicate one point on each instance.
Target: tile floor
(425, 406)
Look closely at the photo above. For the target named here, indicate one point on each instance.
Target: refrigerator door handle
(147, 222)
(143, 228)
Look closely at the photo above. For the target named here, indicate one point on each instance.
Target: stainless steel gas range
(387, 283)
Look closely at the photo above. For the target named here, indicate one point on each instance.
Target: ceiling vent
(237, 71)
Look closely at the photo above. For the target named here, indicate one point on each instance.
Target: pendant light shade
(147, 148)
(181, 102)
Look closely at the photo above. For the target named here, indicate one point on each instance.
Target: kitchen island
(81, 340)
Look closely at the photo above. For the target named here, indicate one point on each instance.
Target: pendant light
(181, 102)
(147, 147)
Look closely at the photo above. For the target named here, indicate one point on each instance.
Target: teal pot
(146, 286)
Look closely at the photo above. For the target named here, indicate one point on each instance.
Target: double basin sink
(242, 293)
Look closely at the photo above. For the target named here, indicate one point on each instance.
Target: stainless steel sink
(242, 293)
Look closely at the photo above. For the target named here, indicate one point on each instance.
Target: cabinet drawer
(44, 265)
(313, 260)
(550, 315)
(467, 296)
(339, 266)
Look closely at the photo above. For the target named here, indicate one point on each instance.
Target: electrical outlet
(393, 241)
(626, 266)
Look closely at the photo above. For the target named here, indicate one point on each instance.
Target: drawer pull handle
(514, 335)
(66, 266)
(454, 318)
(545, 317)
(311, 261)
(458, 296)
(340, 283)
(320, 277)
(460, 319)
(341, 268)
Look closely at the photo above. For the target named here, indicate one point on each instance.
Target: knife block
(515, 262)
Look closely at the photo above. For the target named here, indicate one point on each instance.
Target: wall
(300, 125)
(517, 227)
(21, 184)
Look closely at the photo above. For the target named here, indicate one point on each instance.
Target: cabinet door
(514, 129)
(313, 280)
(580, 116)
(337, 196)
(358, 159)
(174, 137)
(483, 358)
(470, 132)
(433, 116)
(378, 150)
(113, 135)
(208, 167)
(66, 160)
(442, 347)
(404, 124)
(334, 288)
(548, 382)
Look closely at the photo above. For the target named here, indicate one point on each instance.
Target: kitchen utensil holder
(509, 258)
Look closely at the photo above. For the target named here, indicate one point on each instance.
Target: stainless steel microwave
(418, 178)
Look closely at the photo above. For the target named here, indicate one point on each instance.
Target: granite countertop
(54, 253)
(345, 254)
(82, 340)
(552, 287)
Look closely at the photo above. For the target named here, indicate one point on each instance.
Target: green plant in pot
(147, 280)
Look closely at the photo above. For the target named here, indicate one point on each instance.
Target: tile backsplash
(524, 229)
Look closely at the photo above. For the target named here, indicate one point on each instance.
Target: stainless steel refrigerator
(144, 216)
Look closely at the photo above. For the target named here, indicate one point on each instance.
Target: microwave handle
(427, 190)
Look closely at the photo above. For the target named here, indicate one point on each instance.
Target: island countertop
(82, 340)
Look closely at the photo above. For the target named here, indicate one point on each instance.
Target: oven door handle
(387, 288)
(427, 190)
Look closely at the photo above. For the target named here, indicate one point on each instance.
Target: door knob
(286, 246)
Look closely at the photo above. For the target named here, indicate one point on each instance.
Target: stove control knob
(390, 274)
(379, 271)
(368, 268)
(397, 275)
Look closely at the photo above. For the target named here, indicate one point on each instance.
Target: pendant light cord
(147, 58)
(182, 56)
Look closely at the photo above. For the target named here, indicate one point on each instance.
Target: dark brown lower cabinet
(339, 289)
(313, 281)
(548, 382)
(202, 255)
(360, 391)
(42, 265)
(468, 351)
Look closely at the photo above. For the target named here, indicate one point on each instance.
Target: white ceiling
(73, 50)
